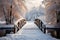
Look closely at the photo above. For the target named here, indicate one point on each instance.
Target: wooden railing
(20, 23)
(53, 31)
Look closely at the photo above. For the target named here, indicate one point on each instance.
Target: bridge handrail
(18, 21)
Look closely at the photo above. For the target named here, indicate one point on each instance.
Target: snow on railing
(2, 22)
(18, 21)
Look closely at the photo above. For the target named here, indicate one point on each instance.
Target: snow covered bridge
(28, 32)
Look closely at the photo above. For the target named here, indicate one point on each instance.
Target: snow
(28, 32)
(2, 22)
(34, 13)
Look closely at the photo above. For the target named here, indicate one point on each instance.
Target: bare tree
(11, 10)
(8, 19)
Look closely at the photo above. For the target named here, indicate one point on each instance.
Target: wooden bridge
(28, 32)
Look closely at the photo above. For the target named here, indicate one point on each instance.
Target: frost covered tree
(33, 14)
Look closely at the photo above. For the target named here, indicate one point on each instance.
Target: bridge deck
(29, 32)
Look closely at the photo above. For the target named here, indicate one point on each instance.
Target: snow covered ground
(28, 32)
